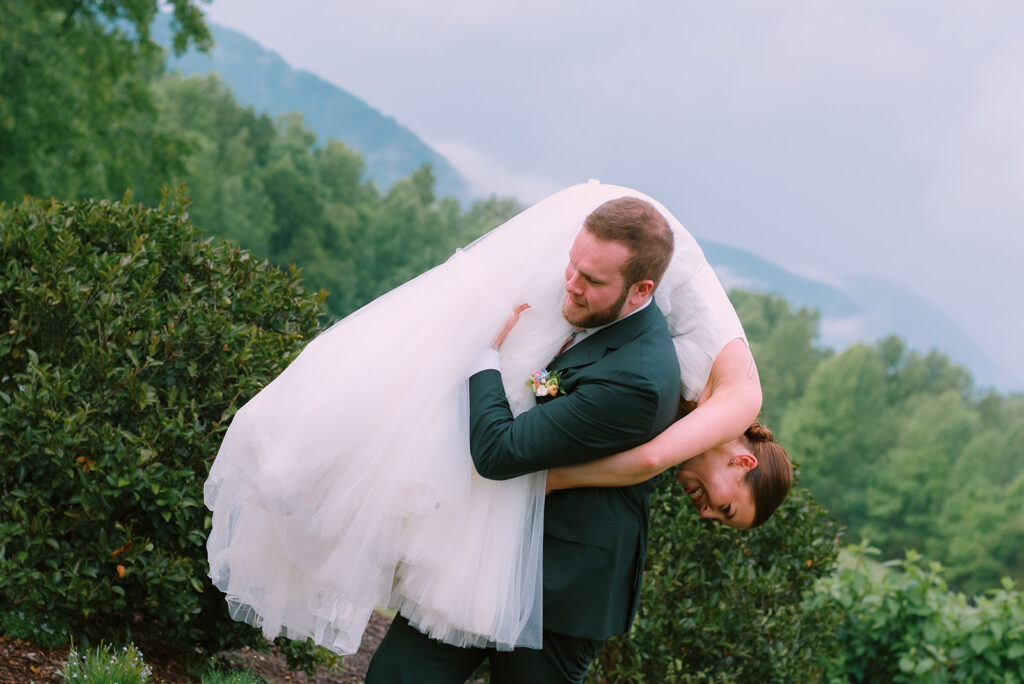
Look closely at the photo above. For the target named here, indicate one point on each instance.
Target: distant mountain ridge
(865, 309)
(747, 270)
(262, 79)
(861, 310)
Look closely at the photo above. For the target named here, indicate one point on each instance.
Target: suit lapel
(594, 347)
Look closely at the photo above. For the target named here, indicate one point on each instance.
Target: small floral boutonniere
(545, 384)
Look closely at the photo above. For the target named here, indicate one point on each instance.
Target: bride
(346, 483)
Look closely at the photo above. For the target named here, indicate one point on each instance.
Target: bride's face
(593, 281)
(714, 482)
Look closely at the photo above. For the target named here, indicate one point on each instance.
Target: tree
(911, 482)
(226, 146)
(911, 374)
(782, 342)
(982, 517)
(838, 430)
(268, 186)
(76, 114)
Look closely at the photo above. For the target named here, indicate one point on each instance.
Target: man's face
(594, 285)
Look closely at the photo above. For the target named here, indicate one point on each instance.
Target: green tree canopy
(839, 428)
(782, 342)
(77, 117)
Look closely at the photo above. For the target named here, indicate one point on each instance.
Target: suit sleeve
(599, 418)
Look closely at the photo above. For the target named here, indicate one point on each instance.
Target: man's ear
(745, 461)
(640, 291)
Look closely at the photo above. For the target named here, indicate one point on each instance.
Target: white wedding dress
(346, 483)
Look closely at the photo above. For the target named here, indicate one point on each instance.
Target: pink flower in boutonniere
(545, 384)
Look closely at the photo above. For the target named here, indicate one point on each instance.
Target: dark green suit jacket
(621, 389)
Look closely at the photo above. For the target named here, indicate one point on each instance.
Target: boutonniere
(545, 384)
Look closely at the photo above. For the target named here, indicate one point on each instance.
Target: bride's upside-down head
(739, 483)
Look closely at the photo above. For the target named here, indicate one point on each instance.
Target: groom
(617, 387)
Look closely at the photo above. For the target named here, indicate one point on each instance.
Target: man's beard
(595, 319)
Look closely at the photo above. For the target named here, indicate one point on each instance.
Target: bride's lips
(696, 494)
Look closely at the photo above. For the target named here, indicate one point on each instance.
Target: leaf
(978, 642)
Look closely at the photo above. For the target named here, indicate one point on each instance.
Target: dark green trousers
(407, 656)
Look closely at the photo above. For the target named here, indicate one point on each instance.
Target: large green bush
(900, 623)
(126, 342)
(723, 605)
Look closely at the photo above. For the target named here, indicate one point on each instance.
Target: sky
(859, 137)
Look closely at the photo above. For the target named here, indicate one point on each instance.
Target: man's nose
(572, 282)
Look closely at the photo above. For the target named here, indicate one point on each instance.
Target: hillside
(262, 79)
(858, 310)
(863, 309)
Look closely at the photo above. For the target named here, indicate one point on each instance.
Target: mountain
(864, 309)
(262, 79)
(739, 268)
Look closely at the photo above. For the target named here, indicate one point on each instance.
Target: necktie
(568, 340)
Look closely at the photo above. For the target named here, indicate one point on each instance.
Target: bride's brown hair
(771, 480)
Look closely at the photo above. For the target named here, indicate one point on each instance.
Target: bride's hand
(554, 481)
(509, 324)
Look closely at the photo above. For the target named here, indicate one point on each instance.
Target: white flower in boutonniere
(545, 384)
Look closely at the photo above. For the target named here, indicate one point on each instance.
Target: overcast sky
(877, 137)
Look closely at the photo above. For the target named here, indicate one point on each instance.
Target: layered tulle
(346, 483)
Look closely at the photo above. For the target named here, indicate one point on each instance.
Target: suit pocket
(596, 532)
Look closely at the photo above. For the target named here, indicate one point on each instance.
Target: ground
(22, 662)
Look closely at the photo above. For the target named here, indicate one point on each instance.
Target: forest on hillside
(897, 446)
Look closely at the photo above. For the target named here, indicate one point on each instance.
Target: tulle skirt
(346, 484)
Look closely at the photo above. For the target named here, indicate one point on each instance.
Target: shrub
(126, 343)
(725, 605)
(39, 629)
(899, 623)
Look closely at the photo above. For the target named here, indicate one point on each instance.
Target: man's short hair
(636, 224)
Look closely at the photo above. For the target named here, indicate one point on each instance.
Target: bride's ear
(745, 461)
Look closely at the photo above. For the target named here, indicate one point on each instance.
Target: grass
(215, 676)
(106, 665)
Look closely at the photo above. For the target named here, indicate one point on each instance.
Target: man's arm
(729, 404)
(598, 418)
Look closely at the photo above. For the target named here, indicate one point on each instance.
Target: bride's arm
(729, 404)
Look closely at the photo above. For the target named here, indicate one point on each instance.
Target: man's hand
(509, 324)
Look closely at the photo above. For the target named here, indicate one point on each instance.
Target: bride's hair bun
(771, 480)
(759, 433)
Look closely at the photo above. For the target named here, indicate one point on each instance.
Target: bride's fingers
(509, 324)
(514, 318)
